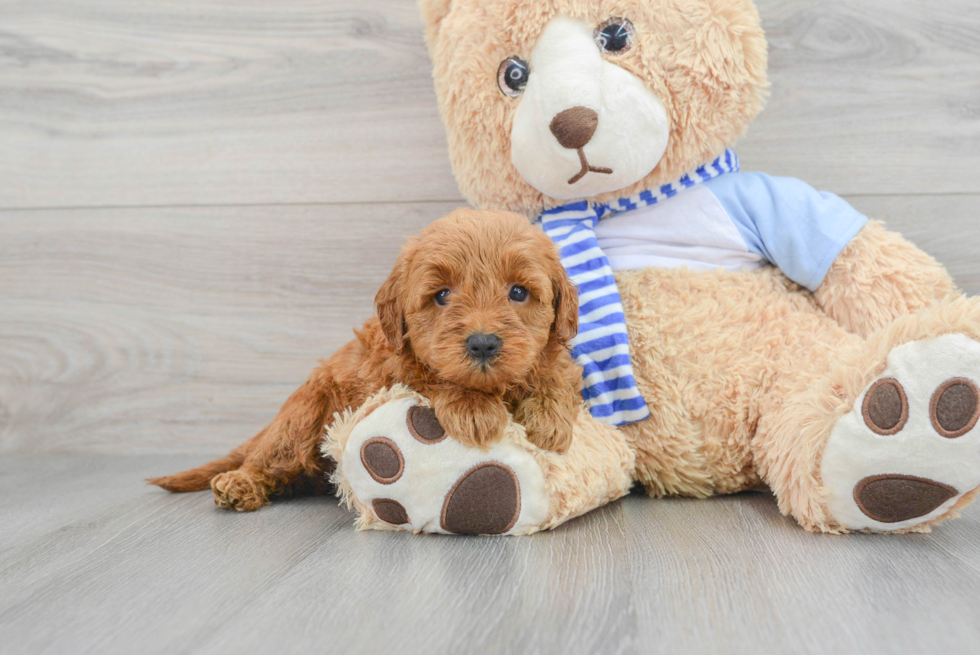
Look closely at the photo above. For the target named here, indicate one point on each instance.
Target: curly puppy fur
(478, 257)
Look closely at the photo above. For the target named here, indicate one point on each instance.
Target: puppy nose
(574, 127)
(483, 347)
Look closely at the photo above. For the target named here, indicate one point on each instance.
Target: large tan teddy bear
(739, 329)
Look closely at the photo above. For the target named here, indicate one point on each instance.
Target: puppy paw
(409, 471)
(547, 430)
(475, 420)
(238, 490)
(549, 437)
(909, 451)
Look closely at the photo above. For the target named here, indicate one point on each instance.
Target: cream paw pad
(909, 451)
(399, 470)
(405, 471)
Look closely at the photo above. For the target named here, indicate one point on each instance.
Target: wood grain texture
(184, 329)
(727, 575)
(108, 103)
(876, 96)
(162, 329)
(167, 102)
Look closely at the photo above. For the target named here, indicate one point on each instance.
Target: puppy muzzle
(483, 348)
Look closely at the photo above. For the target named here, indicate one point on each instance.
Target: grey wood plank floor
(90, 565)
(197, 200)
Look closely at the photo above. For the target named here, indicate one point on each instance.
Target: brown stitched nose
(574, 127)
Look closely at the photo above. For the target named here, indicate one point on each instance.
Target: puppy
(475, 316)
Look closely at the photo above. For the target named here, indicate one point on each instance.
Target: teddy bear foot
(406, 473)
(908, 454)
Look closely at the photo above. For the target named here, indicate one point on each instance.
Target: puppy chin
(491, 377)
(478, 378)
(500, 374)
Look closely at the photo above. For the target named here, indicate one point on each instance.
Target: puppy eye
(512, 76)
(614, 36)
(441, 297)
(518, 293)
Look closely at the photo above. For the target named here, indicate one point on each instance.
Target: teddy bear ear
(433, 11)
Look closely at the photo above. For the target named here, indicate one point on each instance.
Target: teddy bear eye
(512, 76)
(614, 36)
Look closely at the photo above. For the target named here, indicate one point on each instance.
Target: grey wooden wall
(198, 199)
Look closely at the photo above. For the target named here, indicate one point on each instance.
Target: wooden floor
(199, 199)
(92, 562)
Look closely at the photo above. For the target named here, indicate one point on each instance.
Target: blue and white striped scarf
(602, 345)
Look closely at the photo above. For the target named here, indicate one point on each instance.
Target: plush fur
(595, 470)
(478, 257)
(746, 374)
(754, 401)
(705, 60)
(865, 298)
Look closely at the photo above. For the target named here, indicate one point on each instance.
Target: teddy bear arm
(878, 277)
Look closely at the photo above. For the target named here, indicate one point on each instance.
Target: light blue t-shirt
(735, 221)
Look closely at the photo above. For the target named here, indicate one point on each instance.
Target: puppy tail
(199, 479)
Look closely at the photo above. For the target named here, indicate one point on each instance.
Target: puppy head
(479, 297)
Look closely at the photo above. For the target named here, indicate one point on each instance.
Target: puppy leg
(473, 418)
(285, 450)
(548, 413)
(549, 417)
(548, 420)
(199, 479)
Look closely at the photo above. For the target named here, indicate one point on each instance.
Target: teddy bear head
(551, 101)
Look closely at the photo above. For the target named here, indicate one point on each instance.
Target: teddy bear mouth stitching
(586, 168)
(574, 128)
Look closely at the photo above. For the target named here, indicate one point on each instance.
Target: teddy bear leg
(887, 439)
(401, 471)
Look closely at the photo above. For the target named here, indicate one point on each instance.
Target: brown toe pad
(382, 459)
(390, 511)
(955, 408)
(424, 426)
(894, 498)
(886, 408)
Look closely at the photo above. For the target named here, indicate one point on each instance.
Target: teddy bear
(736, 329)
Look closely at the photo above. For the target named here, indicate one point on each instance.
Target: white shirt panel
(690, 229)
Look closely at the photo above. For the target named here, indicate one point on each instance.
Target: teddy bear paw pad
(407, 473)
(910, 448)
(486, 500)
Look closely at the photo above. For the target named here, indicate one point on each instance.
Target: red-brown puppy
(475, 316)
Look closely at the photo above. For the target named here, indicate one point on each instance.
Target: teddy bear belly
(712, 354)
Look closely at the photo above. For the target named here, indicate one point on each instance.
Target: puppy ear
(565, 303)
(391, 310)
